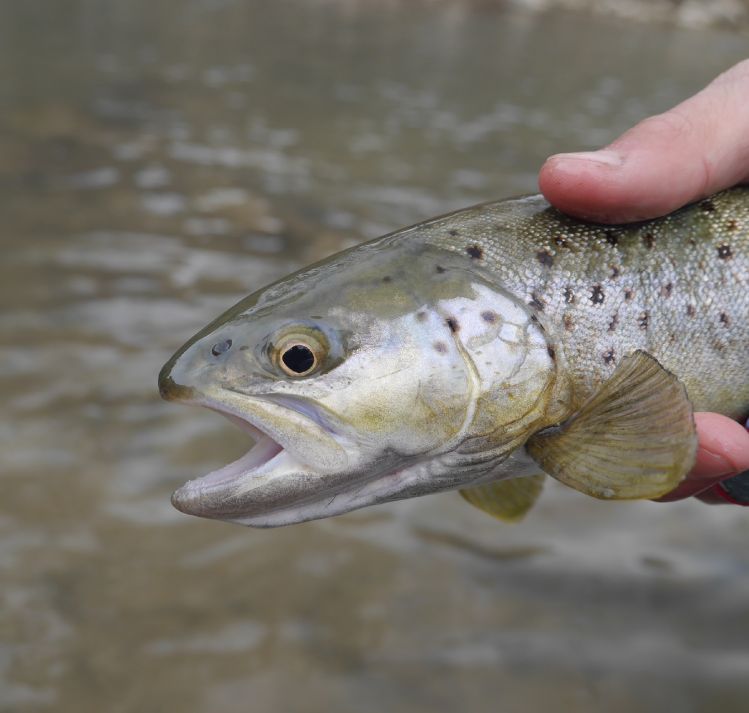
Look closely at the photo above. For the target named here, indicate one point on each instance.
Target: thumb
(697, 148)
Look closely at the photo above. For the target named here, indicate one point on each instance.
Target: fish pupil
(298, 358)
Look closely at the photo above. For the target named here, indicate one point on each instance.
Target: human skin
(699, 147)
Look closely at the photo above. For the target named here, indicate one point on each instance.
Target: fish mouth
(295, 456)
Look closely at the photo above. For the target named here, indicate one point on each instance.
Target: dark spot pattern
(552, 353)
(569, 295)
(731, 225)
(561, 241)
(612, 239)
(614, 271)
(453, 324)
(614, 321)
(691, 311)
(439, 269)
(708, 206)
(421, 316)
(536, 302)
(724, 252)
(545, 258)
(609, 356)
(440, 347)
(666, 290)
(643, 320)
(387, 278)
(454, 232)
(648, 240)
(569, 323)
(596, 295)
(724, 320)
(628, 295)
(243, 348)
(488, 316)
(475, 252)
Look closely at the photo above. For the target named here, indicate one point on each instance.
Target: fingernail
(603, 157)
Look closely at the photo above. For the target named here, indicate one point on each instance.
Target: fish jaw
(297, 456)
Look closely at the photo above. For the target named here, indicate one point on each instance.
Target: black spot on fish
(475, 251)
(569, 323)
(440, 347)
(545, 258)
(648, 240)
(724, 320)
(243, 348)
(614, 271)
(536, 302)
(643, 319)
(387, 278)
(724, 252)
(569, 295)
(708, 206)
(439, 269)
(551, 352)
(667, 289)
(614, 321)
(691, 311)
(453, 324)
(611, 238)
(628, 295)
(731, 225)
(421, 316)
(560, 241)
(596, 295)
(489, 316)
(609, 356)
(454, 232)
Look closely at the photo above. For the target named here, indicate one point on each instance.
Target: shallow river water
(158, 160)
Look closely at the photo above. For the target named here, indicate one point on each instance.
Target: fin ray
(634, 438)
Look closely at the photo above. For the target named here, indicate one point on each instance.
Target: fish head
(351, 377)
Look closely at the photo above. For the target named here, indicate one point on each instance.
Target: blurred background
(159, 160)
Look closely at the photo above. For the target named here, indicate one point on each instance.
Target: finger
(723, 451)
(697, 148)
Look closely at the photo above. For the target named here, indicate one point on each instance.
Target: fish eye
(298, 359)
(300, 353)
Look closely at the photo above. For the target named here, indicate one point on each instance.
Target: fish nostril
(221, 347)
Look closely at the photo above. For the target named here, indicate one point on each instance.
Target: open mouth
(293, 447)
(263, 451)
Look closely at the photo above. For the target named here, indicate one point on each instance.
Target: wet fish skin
(451, 343)
(676, 287)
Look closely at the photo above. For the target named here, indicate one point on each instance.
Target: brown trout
(478, 351)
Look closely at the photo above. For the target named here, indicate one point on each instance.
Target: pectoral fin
(635, 438)
(507, 500)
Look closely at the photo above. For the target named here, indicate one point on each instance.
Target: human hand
(694, 150)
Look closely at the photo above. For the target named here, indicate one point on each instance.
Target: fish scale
(675, 287)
